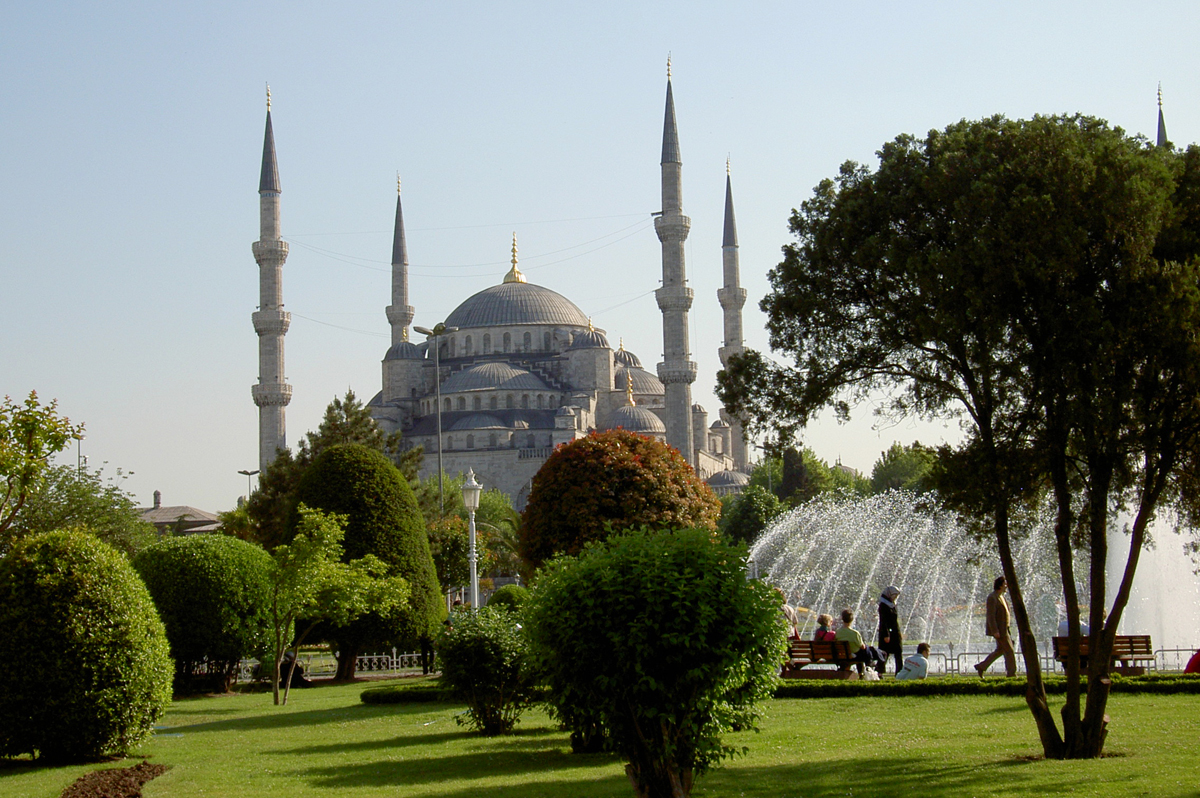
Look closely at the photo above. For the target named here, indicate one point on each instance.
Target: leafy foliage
(484, 662)
(509, 597)
(68, 497)
(309, 581)
(1038, 279)
(84, 661)
(211, 592)
(382, 519)
(749, 514)
(607, 482)
(30, 434)
(904, 468)
(272, 507)
(660, 640)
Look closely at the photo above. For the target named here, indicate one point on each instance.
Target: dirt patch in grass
(114, 782)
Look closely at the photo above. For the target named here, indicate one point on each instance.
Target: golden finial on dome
(1160, 95)
(590, 327)
(727, 172)
(397, 183)
(621, 345)
(514, 274)
(404, 333)
(629, 391)
(268, 98)
(668, 64)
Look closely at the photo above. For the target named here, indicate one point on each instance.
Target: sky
(132, 137)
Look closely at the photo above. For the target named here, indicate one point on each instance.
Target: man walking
(997, 627)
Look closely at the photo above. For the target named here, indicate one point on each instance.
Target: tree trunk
(347, 660)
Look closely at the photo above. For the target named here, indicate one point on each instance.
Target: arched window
(492, 402)
(528, 341)
(447, 405)
(541, 401)
(467, 346)
(462, 403)
(546, 340)
(470, 441)
(507, 342)
(492, 440)
(478, 403)
(449, 441)
(525, 401)
(453, 344)
(509, 401)
(487, 343)
(529, 440)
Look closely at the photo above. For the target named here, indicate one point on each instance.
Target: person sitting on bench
(862, 654)
(824, 634)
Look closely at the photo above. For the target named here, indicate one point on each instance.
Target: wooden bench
(802, 653)
(1129, 653)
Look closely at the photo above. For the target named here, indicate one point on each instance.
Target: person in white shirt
(916, 666)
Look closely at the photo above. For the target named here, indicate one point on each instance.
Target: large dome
(516, 303)
(488, 376)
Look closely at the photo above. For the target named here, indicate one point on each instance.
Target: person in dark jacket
(890, 639)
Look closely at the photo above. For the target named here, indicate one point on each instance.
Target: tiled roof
(516, 303)
(488, 376)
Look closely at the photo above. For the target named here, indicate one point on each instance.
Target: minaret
(732, 297)
(271, 393)
(399, 313)
(677, 371)
(1162, 125)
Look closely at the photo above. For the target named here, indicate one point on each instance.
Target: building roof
(589, 339)
(180, 518)
(478, 421)
(728, 479)
(493, 376)
(509, 418)
(405, 350)
(643, 381)
(635, 419)
(516, 303)
(623, 357)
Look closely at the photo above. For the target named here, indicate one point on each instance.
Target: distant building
(178, 519)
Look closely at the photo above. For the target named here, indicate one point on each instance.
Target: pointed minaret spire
(1162, 125)
(514, 274)
(677, 371)
(399, 313)
(732, 297)
(271, 393)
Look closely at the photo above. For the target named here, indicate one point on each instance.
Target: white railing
(323, 664)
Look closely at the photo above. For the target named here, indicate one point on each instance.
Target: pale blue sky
(132, 133)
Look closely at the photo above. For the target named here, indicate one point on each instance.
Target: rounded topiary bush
(383, 519)
(211, 592)
(484, 663)
(608, 482)
(509, 597)
(84, 664)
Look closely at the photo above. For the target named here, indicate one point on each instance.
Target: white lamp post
(435, 334)
(470, 493)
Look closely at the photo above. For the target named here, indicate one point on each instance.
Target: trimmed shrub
(608, 482)
(84, 665)
(509, 597)
(1157, 683)
(405, 693)
(382, 519)
(484, 663)
(657, 641)
(211, 592)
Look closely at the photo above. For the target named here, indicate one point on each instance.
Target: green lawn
(327, 743)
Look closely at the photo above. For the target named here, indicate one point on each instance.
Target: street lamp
(80, 460)
(248, 474)
(470, 493)
(437, 332)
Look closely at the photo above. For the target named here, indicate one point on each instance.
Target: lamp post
(470, 493)
(80, 460)
(248, 474)
(434, 335)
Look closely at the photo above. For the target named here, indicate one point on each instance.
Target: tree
(1006, 272)
(660, 640)
(211, 592)
(68, 497)
(903, 468)
(83, 659)
(272, 508)
(484, 656)
(30, 434)
(749, 514)
(607, 482)
(382, 519)
(309, 583)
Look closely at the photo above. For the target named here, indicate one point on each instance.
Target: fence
(323, 664)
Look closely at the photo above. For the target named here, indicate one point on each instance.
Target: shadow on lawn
(284, 717)
(521, 738)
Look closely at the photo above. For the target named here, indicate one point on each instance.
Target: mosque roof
(635, 419)
(623, 357)
(728, 479)
(405, 350)
(589, 339)
(458, 420)
(643, 381)
(478, 421)
(516, 303)
(488, 376)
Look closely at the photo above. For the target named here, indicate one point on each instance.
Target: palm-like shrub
(84, 663)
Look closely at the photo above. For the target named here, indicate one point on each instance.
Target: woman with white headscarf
(890, 639)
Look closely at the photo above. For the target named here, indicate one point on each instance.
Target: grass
(327, 743)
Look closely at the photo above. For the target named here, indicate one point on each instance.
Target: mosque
(518, 369)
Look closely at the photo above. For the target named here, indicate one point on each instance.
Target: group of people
(890, 640)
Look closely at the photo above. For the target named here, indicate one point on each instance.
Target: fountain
(837, 552)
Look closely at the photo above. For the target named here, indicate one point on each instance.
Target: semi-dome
(589, 339)
(478, 421)
(516, 303)
(623, 357)
(487, 376)
(643, 381)
(635, 419)
(405, 350)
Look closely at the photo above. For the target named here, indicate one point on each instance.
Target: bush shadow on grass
(283, 717)
(519, 738)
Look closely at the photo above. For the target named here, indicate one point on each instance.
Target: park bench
(1129, 653)
(802, 653)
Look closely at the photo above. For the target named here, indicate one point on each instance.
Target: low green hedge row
(936, 686)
